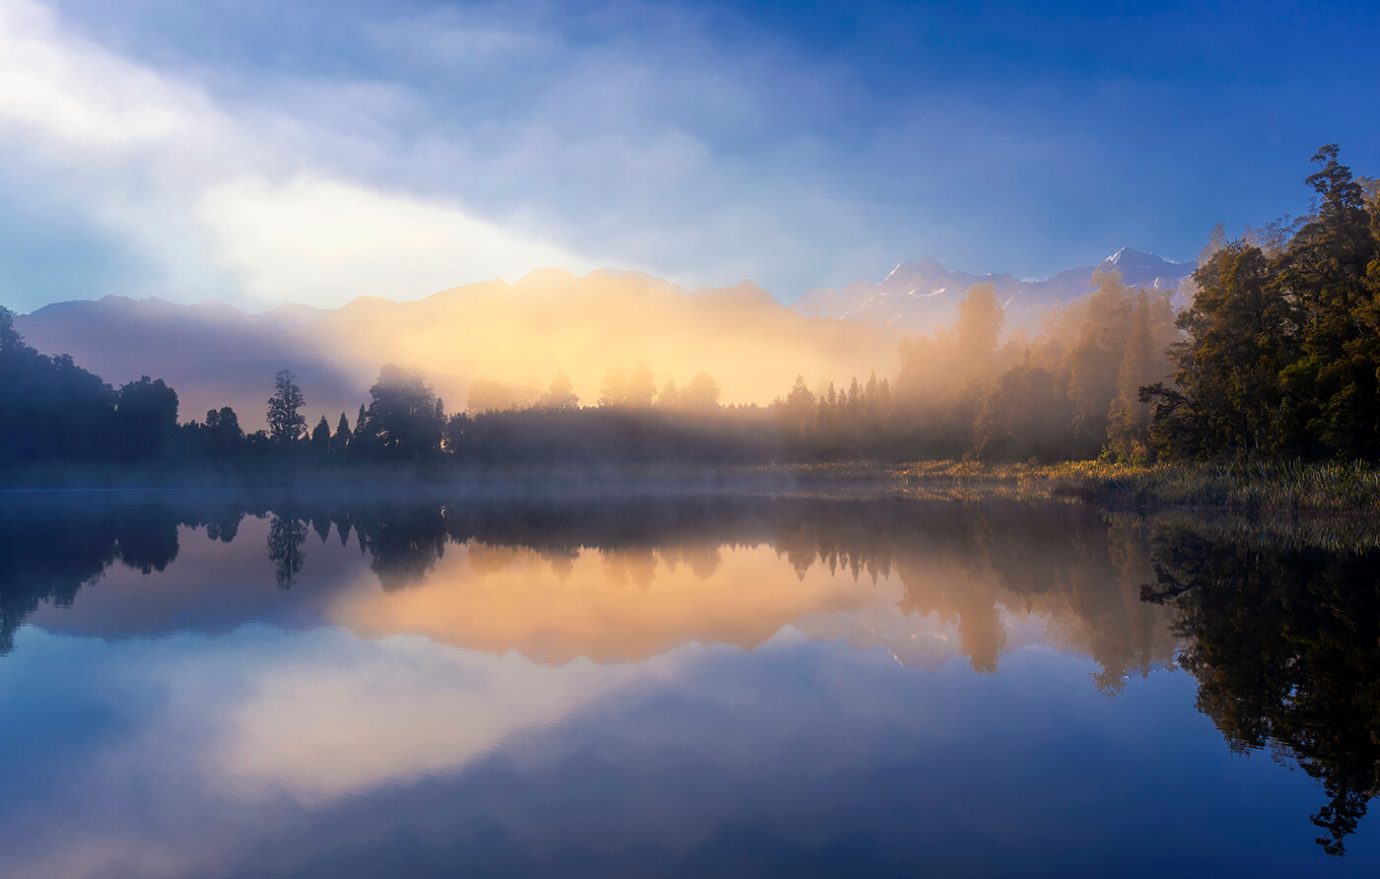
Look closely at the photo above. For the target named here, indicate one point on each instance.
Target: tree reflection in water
(1284, 640)
(1281, 630)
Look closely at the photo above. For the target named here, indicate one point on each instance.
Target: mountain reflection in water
(545, 608)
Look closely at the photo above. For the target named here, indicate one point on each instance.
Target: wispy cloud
(248, 203)
(707, 143)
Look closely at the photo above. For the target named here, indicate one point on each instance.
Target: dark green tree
(1332, 389)
(1227, 397)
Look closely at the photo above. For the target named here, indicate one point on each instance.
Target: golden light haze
(525, 334)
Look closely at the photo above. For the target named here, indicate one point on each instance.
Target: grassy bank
(1249, 488)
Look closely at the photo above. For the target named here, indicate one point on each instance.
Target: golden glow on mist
(550, 322)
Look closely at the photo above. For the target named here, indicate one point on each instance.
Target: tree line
(1276, 354)
(1272, 352)
(1281, 348)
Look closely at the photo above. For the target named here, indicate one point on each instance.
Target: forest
(1272, 354)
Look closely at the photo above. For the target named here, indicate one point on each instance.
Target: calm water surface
(331, 686)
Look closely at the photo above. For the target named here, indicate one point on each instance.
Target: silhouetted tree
(286, 423)
(145, 419)
(405, 418)
(321, 438)
(341, 441)
(457, 435)
(223, 435)
(10, 340)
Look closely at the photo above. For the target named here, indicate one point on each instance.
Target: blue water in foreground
(763, 687)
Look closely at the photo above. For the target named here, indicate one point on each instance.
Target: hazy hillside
(212, 354)
(519, 334)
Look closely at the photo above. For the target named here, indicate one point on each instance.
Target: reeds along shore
(1291, 487)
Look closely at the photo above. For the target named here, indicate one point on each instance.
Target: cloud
(435, 148)
(703, 143)
(243, 203)
(319, 239)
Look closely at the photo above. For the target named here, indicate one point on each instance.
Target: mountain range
(922, 295)
(525, 333)
(521, 335)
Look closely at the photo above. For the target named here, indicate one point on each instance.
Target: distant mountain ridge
(921, 295)
(550, 321)
(521, 334)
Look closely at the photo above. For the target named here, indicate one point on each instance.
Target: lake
(330, 684)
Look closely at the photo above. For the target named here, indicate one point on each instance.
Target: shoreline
(1345, 489)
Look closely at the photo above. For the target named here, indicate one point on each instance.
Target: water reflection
(620, 579)
(489, 620)
(1284, 640)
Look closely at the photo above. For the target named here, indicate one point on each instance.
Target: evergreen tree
(797, 412)
(1332, 388)
(286, 423)
(362, 440)
(341, 441)
(321, 438)
(1228, 397)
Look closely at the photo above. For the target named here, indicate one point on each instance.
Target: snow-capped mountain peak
(918, 295)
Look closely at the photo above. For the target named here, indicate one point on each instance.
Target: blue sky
(260, 152)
